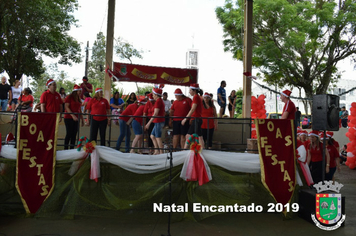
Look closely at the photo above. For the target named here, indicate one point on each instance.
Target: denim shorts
(137, 127)
(14, 101)
(157, 130)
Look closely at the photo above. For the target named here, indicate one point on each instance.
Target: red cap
(142, 101)
(150, 96)
(194, 86)
(286, 93)
(49, 82)
(207, 95)
(76, 88)
(157, 91)
(314, 133)
(178, 92)
(98, 90)
(330, 134)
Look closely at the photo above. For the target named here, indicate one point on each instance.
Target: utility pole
(247, 63)
(109, 47)
(86, 59)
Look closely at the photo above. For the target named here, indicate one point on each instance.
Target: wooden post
(109, 47)
(247, 63)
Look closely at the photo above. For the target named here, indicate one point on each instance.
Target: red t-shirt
(197, 100)
(74, 106)
(209, 112)
(316, 154)
(139, 112)
(181, 108)
(98, 107)
(89, 86)
(24, 98)
(160, 105)
(52, 101)
(129, 111)
(337, 145)
(290, 108)
(333, 153)
(148, 110)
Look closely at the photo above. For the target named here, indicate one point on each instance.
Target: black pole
(170, 189)
(323, 164)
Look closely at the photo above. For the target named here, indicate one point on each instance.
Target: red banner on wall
(155, 75)
(36, 157)
(277, 157)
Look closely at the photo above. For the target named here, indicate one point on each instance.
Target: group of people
(14, 98)
(222, 101)
(314, 145)
(186, 116)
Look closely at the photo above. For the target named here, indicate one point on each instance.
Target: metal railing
(242, 125)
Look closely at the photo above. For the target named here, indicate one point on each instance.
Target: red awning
(155, 75)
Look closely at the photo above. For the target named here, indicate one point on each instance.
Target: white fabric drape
(143, 164)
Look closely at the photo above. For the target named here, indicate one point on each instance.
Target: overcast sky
(165, 30)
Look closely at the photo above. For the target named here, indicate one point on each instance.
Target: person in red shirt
(51, 100)
(315, 157)
(99, 108)
(137, 123)
(289, 107)
(72, 105)
(86, 87)
(209, 125)
(25, 101)
(125, 130)
(179, 110)
(147, 113)
(158, 121)
(334, 158)
(195, 114)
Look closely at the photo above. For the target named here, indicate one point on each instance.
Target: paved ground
(225, 224)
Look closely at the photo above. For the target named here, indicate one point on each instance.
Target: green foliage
(295, 43)
(126, 51)
(38, 85)
(96, 66)
(238, 104)
(31, 29)
(143, 90)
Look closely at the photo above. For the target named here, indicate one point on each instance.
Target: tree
(51, 72)
(297, 43)
(96, 67)
(238, 104)
(33, 29)
(126, 51)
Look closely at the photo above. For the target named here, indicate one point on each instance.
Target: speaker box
(325, 112)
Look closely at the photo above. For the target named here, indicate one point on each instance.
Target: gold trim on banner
(263, 179)
(17, 162)
(54, 155)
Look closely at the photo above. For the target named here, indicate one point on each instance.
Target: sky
(164, 30)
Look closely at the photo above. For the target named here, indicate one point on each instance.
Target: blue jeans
(4, 104)
(137, 127)
(157, 130)
(125, 131)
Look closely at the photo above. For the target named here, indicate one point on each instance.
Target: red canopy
(153, 74)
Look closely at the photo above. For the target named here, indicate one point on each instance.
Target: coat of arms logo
(328, 214)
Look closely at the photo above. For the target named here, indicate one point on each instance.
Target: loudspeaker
(325, 112)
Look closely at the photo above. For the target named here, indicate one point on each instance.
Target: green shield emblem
(328, 208)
